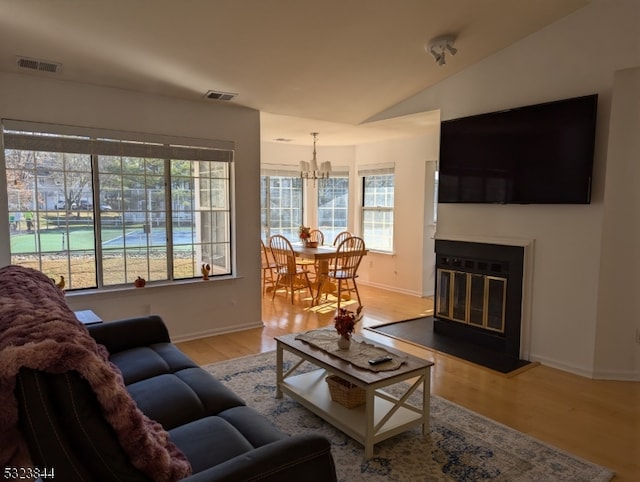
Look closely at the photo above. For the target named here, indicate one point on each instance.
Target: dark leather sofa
(223, 439)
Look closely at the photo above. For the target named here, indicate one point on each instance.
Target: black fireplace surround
(497, 262)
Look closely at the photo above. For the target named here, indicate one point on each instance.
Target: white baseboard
(622, 376)
(223, 330)
(550, 362)
(619, 376)
(393, 288)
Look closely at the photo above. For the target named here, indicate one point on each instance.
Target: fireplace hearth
(478, 294)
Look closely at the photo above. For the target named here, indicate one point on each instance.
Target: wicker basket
(344, 392)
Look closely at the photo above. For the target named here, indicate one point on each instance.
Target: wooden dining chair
(341, 237)
(317, 236)
(268, 268)
(345, 266)
(288, 272)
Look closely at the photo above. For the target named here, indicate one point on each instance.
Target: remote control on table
(382, 359)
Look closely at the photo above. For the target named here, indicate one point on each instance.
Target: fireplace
(479, 295)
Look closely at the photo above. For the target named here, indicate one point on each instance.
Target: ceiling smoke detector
(217, 95)
(38, 65)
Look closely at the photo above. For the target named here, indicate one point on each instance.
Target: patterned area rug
(461, 445)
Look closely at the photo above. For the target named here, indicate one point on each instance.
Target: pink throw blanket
(38, 330)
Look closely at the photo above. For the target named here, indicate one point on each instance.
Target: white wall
(402, 271)
(192, 309)
(618, 300)
(567, 59)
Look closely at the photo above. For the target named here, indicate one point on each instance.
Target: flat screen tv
(538, 154)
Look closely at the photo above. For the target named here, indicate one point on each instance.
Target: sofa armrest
(130, 333)
(293, 459)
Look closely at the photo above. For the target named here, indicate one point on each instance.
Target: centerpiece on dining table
(304, 233)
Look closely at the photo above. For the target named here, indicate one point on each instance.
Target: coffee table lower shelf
(311, 390)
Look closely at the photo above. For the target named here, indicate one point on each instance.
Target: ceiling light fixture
(313, 170)
(439, 46)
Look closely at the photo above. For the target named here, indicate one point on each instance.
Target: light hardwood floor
(594, 419)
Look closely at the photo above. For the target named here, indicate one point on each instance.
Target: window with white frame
(281, 202)
(333, 205)
(102, 208)
(378, 186)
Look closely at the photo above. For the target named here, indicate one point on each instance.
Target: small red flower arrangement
(345, 321)
(304, 232)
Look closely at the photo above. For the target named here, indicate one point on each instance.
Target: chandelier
(311, 169)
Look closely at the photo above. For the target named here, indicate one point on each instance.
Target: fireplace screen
(475, 299)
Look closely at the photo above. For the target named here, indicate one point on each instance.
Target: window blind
(376, 169)
(279, 170)
(23, 135)
(339, 171)
(289, 170)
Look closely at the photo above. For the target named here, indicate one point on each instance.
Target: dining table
(323, 255)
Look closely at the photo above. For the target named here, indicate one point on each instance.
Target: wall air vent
(217, 95)
(38, 65)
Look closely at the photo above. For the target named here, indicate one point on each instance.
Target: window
(280, 203)
(102, 209)
(333, 205)
(377, 207)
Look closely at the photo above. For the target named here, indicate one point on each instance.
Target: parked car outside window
(62, 205)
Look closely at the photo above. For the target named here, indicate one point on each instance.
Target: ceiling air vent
(217, 95)
(39, 65)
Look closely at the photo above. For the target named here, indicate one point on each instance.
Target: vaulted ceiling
(324, 65)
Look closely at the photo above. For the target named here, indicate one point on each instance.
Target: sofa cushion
(148, 361)
(175, 358)
(209, 441)
(302, 458)
(215, 396)
(176, 399)
(139, 363)
(257, 429)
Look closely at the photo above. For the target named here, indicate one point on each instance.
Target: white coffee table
(381, 417)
